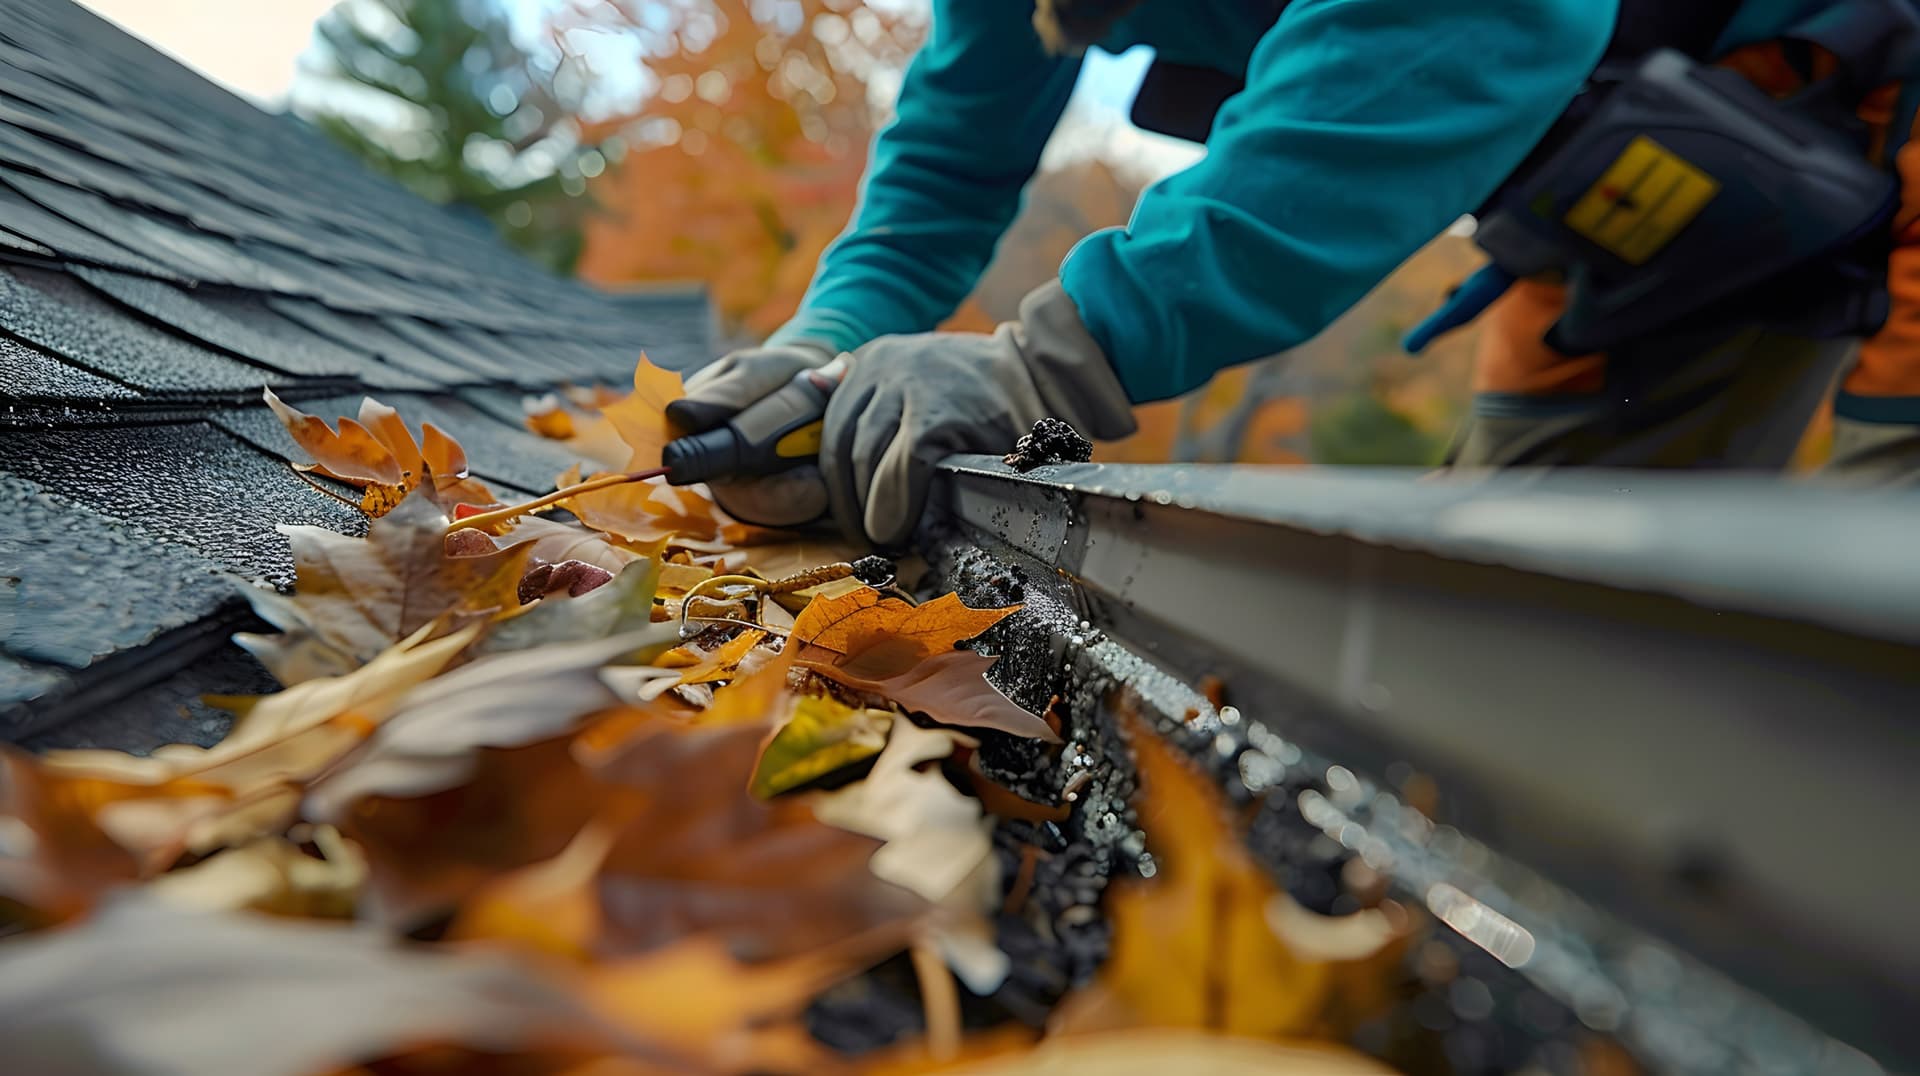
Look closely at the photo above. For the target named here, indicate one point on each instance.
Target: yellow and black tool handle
(778, 432)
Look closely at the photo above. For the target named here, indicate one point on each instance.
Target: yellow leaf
(723, 662)
(821, 736)
(759, 697)
(1194, 946)
(641, 417)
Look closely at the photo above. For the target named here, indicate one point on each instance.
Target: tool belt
(1673, 195)
(1684, 198)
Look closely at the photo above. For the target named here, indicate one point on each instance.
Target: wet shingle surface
(166, 250)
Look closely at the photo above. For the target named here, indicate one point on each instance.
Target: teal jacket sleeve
(977, 105)
(1365, 129)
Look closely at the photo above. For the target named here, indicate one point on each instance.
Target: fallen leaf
(283, 741)
(147, 987)
(273, 874)
(501, 701)
(426, 855)
(54, 860)
(703, 856)
(856, 621)
(379, 454)
(700, 1000)
(555, 541)
(821, 736)
(936, 837)
(646, 512)
(353, 453)
(1193, 946)
(549, 418)
(950, 688)
(299, 652)
(1160, 1052)
(641, 416)
(623, 605)
(362, 595)
(722, 662)
(761, 697)
(385, 425)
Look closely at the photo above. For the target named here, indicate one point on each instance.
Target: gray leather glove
(720, 391)
(909, 401)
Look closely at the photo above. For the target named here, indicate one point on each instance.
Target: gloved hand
(720, 391)
(909, 401)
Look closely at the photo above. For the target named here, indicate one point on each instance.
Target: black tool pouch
(1678, 196)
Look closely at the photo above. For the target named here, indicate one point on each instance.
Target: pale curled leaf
(272, 874)
(506, 700)
(936, 837)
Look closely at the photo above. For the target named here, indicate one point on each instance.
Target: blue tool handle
(1467, 302)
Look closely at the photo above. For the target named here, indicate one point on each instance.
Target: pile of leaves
(605, 783)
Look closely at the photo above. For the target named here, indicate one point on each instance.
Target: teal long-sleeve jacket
(1365, 129)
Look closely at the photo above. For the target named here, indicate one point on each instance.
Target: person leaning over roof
(1341, 136)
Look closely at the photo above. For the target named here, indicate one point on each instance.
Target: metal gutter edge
(1691, 701)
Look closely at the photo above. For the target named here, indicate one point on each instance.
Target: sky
(252, 46)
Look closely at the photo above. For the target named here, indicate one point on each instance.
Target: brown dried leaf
(856, 621)
(353, 454)
(428, 854)
(362, 595)
(54, 859)
(950, 687)
(641, 416)
(385, 425)
(703, 856)
(555, 541)
(645, 512)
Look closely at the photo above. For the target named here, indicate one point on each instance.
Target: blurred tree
(1362, 429)
(438, 95)
(745, 157)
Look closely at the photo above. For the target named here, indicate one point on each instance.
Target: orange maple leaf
(853, 622)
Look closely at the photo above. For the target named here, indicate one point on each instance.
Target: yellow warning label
(1642, 202)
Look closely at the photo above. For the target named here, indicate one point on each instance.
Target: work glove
(908, 402)
(721, 390)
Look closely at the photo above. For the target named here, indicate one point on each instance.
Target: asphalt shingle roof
(166, 250)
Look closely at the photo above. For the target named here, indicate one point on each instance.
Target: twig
(515, 511)
(939, 999)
